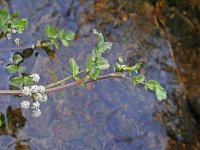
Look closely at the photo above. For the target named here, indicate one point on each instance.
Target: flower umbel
(26, 91)
(37, 95)
(35, 77)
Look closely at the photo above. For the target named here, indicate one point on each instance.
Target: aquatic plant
(24, 84)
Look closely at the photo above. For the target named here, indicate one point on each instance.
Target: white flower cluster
(37, 93)
(35, 77)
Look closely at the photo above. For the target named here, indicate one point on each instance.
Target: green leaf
(94, 73)
(51, 31)
(161, 94)
(102, 63)
(4, 15)
(74, 68)
(27, 80)
(150, 84)
(69, 35)
(155, 86)
(22, 69)
(17, 58)
(100, 38)
(15, 15)
(137, 80)
(19, 25)
(65, 37)
(16, 80)
(89, 64)
(135, 68)
(4, 18)
(65, 43)
(3, 27)
(12, 68)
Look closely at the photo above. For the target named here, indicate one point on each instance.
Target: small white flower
(25, 104)
(41, 89)
(13, 30)
(17, 41)
(38, 96)
(36, 105)
(35, 77)
(34, 88)
(36, 113)
(8, 36)
(44, 98)
(26, 91)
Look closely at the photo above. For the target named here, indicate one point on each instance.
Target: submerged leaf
(51, 31)
(12, 68)
(16, 80)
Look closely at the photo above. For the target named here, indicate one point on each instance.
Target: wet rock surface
(110, 114)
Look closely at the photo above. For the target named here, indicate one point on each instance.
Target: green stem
(63, 80)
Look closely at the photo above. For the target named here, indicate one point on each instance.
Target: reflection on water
(111, 115)
(12, 123)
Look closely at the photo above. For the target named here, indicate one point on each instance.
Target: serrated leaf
(150, 84)
(74, 68)
(100, 38)
(102, 63)
(138, 79)
(22, 69)
(17, 58)
(19, 25)
(16, 80)
(89, 64)
(65, 37)
(69, 35)
(155, 86)
(94, 73)
(51, 31)
(12, 68)
(161, 94)
(135, 67)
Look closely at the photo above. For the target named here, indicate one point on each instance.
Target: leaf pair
(152, 85)
(53, 35)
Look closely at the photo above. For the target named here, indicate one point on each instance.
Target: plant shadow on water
(110, 115)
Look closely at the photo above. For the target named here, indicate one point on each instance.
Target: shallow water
(106, 115)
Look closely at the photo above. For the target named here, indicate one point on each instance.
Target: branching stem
(68, 85)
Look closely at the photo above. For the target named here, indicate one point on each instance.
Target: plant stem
(68, 85)
(63, 80)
